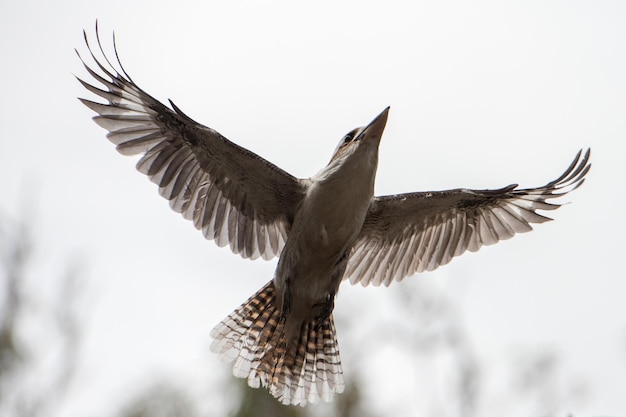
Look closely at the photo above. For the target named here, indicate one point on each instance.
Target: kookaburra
(323, 229)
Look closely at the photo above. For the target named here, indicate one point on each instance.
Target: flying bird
(323, 229)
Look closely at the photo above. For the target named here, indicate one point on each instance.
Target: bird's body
(312, 263)
(324, 229)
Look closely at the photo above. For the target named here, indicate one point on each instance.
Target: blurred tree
(161, 400)
(258, 402)
(531, 382)
(25, 391)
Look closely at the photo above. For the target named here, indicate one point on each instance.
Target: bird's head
(369, 135)
(357, 151)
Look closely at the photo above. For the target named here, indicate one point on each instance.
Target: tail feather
(253, 336)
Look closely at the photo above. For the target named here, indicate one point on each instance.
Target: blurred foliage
(165, 400)
(161, 400)
(24, 392)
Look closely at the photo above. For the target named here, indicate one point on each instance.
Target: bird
(324, 229)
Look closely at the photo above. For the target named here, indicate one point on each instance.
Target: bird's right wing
(409, 233)
(233, 195)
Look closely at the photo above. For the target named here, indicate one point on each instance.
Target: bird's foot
(286, 306)
(326, 308)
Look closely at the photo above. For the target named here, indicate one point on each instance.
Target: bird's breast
(324, 230)
(335, 211)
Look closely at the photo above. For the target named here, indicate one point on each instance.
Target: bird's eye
(351, 136)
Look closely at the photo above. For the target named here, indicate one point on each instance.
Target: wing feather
(409, 233)
(232, 195)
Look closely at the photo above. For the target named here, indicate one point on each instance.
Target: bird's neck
(344, 188)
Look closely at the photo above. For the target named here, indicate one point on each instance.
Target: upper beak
(374, 129)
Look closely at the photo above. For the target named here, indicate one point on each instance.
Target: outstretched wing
(408, 233)
(234, 196)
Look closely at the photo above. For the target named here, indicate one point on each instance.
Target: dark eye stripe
(349, 136)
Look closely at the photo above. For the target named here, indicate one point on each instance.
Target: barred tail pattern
(301, 373)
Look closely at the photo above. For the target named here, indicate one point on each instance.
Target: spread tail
(253, 336)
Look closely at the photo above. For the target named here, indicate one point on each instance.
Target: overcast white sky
(482, 94)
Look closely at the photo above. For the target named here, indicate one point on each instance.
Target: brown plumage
(296, 373)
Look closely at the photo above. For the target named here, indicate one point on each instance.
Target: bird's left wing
(409, 233)
(233, 195)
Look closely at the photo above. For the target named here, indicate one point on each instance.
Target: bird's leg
(286, 307)
(327, 306)
(325, 310)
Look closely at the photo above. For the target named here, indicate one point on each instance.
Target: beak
(374, 130)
